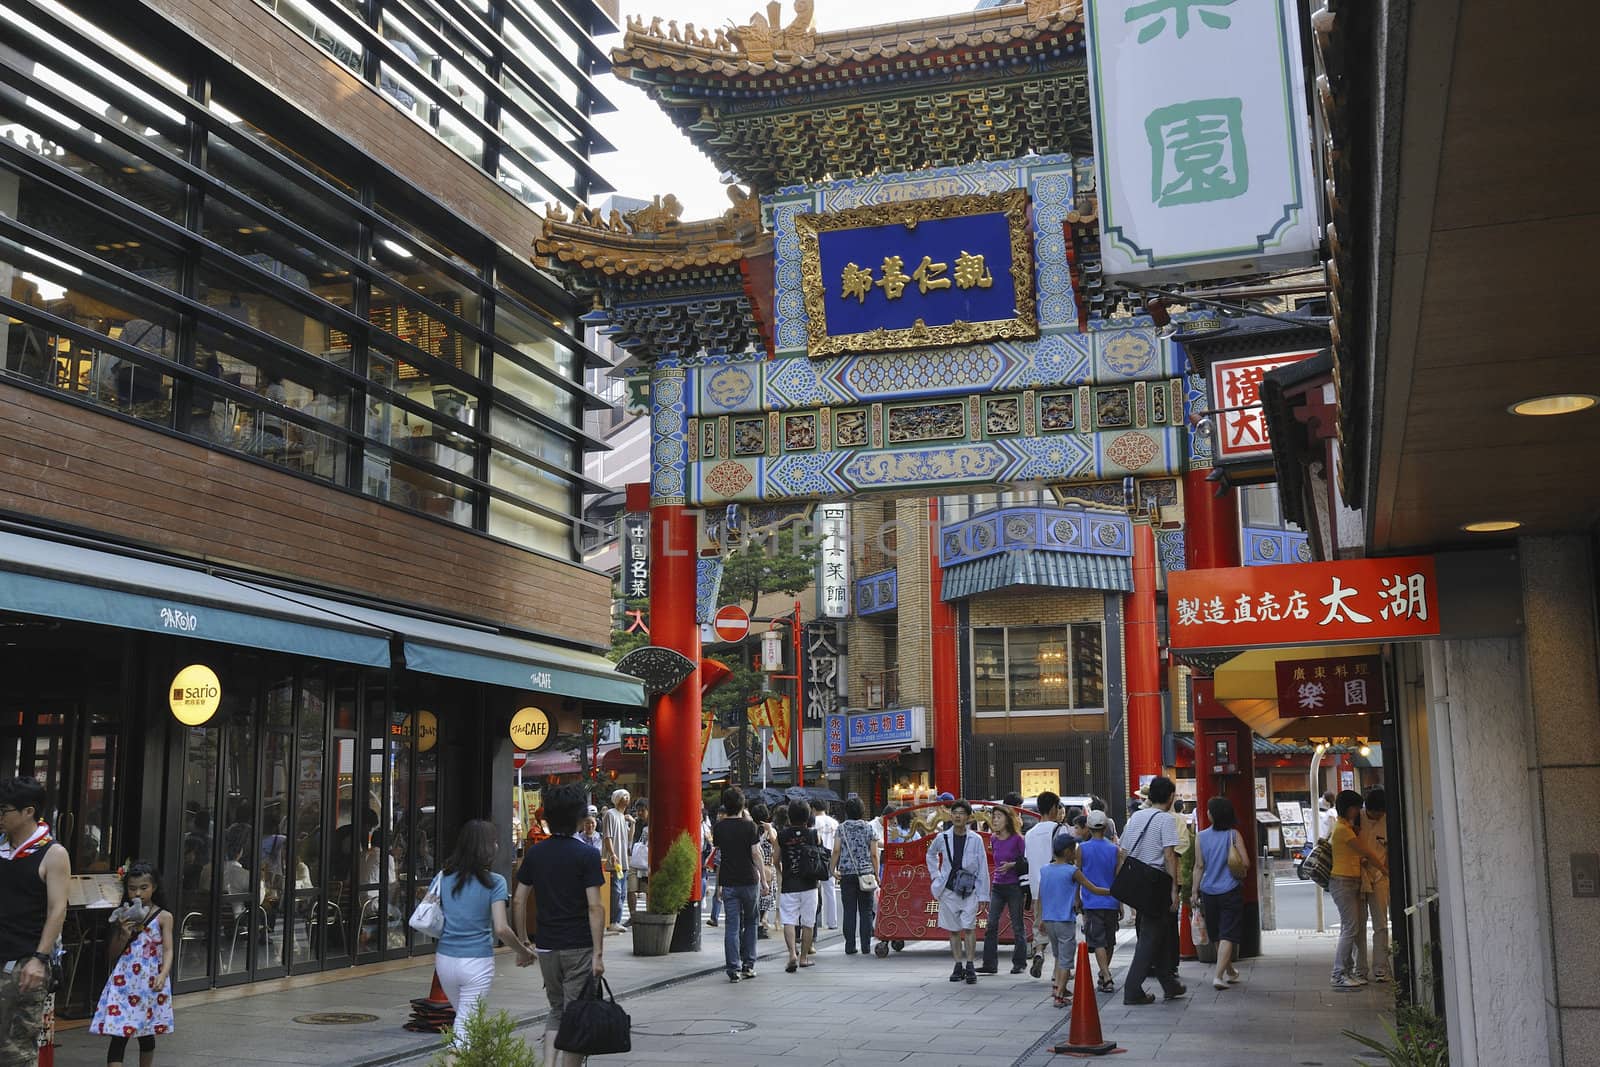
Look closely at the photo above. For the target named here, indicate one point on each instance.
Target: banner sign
(833, 735)
(1202, 141)
(1241, 426)
(886, 729)
(918, 273)
(1342, 685)
(636, 555)
(1344, 601)
(833, 591)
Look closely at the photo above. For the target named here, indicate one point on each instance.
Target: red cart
(907, 910)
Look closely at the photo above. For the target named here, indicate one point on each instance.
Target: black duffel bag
(593, 1025)
(1140, 886)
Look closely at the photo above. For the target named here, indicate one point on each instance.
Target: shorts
(566, 975)
(1224, 913)
(797, 909)
(1100, 927)
(957, 914)
(1063, 941)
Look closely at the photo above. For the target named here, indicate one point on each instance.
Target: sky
(652, 156)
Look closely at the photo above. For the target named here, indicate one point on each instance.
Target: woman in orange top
(1344, 884)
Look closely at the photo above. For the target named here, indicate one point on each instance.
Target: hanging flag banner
(1351, 600)
(1202, 141)
(833, 729)
(1241, 426)
(636, 555)
(833, 591)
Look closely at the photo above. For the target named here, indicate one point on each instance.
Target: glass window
(396, 481)
(523, 47)
(1038, 669)
(517, 91)
(530, 529)
(323, 31)
(197, 852)
(989, 670)
(256, 240)
(1088, 665)
(99, 160)
(418, 328)
(530, 437)
(243, 300)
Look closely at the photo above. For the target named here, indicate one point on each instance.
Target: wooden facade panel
(258, 42)
(64, 464)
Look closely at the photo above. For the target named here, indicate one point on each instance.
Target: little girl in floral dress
(137, 1000)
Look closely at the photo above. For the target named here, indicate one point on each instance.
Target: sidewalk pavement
(846, 1010)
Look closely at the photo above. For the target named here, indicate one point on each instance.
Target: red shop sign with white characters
(1339, 602)
(1241, 427)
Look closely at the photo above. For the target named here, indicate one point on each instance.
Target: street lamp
(1316, 831)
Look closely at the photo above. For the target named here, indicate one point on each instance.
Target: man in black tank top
(33, 884)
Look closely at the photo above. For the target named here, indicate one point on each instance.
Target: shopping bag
(593, 1025)
(1197, 926)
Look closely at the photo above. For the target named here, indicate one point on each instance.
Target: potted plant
(670, 886)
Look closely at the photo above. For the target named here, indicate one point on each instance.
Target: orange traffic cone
(431, 1014)
(1084, 1037)
(1186, 949)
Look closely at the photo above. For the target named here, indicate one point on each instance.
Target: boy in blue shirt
(1098, 858)
(1058, 896)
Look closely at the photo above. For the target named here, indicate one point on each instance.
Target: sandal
(1106, 985)
(1062, 1002)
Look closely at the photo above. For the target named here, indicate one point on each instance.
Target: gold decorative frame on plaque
(1023, 323)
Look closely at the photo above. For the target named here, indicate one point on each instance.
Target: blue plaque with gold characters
(951, 270)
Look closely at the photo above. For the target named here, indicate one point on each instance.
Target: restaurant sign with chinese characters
(636, 555)
(1202, 140)
(918, 273)
(886, 729)
(1303, 604)
(1341, 685)
(833, 591)
(1241, 427)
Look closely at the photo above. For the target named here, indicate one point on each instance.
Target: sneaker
(1038, 966)
(972, 975)
(1174, 994)
(1346, 984)
(1018, 968)
(1138, 999)
(711, 922)
(748, 972)
(733, 976)
(1379, 976)
(959, 974)
(986, 969)
(616, 928)
(1359, 979)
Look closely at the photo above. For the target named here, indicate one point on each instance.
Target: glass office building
(237, 321)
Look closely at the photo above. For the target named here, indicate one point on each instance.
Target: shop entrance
(310, 823)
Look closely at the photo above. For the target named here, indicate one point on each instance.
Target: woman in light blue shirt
(1218, 891)
(473, 899)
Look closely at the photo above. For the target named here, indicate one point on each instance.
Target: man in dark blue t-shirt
(563, 875)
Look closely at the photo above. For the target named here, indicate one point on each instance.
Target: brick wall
(1026, 605)
(260, 44)
(67, 465)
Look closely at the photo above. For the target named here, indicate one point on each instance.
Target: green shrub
(1419, 1039)
(491, 1042)
(671, 884)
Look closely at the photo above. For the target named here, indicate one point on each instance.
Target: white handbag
(428, 919)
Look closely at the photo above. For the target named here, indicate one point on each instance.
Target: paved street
(845, 1010)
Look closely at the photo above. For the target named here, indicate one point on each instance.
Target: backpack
(1319, 865)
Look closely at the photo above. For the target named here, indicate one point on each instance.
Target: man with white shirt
(1038, 849)
(1152, 838)
(827, 828)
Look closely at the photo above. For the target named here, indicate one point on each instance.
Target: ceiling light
(1364, 751)
(1555, 404)
(1491, 526)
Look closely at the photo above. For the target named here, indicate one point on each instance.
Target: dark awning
(1060, 570)
(61, 580)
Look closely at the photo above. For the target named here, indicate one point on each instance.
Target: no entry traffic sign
(732, 623)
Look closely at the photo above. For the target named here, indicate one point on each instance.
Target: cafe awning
(480, 654)
(1247, 685)
(65, 580)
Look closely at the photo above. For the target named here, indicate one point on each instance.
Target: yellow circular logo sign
(196, 693)
(427, 729)
(530, 729)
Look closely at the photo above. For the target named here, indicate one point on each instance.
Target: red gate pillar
(675, 805)
(1143, 654)
(944, 653)
(1211, 540)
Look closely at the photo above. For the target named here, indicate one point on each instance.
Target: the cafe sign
(1340, 685)
(530, 729)
(195, 695)
(1338, 602)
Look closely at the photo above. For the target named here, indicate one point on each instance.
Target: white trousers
(465, 980)
(830, 903)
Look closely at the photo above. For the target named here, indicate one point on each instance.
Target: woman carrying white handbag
(466, 910)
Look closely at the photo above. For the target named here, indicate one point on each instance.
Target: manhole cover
(700, 1028)
(335, 1018)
